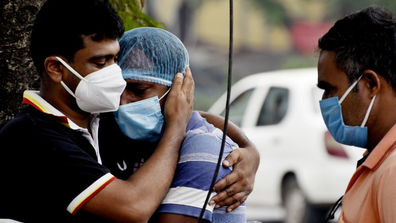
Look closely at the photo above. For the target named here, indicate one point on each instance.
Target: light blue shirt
(195, 169)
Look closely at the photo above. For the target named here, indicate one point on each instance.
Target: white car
(303, 170)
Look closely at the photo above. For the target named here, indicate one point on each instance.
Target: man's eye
(328, 92)
(140, 91)
(100, 63)
(135, 90)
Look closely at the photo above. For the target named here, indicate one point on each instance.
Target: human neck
(382, 122)
(67, 105)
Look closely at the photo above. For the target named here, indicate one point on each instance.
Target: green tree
(275, 12)
(131, 13)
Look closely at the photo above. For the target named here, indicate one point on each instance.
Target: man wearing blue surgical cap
(150, 58)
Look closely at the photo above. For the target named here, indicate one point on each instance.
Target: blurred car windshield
(274, 107)
(238, 106)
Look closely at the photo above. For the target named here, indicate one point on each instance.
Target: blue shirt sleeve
(195, 170)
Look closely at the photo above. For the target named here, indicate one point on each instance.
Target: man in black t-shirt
(50, 163)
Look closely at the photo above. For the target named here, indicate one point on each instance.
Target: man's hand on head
(180, 101)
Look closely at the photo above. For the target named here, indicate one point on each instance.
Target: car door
(266, 129)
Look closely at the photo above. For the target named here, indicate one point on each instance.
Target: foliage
(276, 13)
(131, 13)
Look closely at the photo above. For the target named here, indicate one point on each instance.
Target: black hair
(364, 40)
(60, 26)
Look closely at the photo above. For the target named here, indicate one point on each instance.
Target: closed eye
(101, 64)
(136, 89)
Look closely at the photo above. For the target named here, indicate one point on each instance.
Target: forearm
(245, 160)
(137, 198)
(233, 131)
(152, 181)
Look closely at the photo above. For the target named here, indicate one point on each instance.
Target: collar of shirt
(34, 99)
(381, 151)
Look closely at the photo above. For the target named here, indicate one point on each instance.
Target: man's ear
(53, 68)
(372, 82)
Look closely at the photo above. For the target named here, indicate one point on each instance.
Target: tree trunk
(17, 72)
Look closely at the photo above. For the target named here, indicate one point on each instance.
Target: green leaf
(132, 15)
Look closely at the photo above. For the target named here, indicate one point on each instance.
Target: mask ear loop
(368, 112)
(68, 89)
(349, 90)
(165, 94)
(71, 70)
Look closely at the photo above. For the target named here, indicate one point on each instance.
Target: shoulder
(389, 164)
(21, 121)
(204, 137)
(32, 118)
(54, 158)
(386, 173)
(200, 153)
(384, 193)
(29, 122)
(34, 129)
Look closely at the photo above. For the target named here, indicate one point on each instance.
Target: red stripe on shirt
(62, 119)
(92, 194)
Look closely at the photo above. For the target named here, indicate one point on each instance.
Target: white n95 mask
(99, 91)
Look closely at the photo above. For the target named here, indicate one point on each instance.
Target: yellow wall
(250, 27)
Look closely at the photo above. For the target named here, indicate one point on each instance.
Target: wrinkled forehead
(144, 88)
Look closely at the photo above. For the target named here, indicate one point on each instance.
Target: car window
(274, 107)
(238, 106)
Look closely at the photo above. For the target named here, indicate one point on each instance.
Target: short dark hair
(60, 26)
(364, 40)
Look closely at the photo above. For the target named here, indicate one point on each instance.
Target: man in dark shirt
(49, 158)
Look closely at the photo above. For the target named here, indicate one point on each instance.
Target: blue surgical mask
(332, 116)
(141, 120)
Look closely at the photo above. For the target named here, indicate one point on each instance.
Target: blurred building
(259, 45)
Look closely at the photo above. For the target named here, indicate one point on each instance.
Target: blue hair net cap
(152, 54)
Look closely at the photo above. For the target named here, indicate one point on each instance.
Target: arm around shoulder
(137, 198)
(239, 184)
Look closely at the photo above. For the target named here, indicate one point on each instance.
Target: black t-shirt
(44, 165)
(119, 153)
